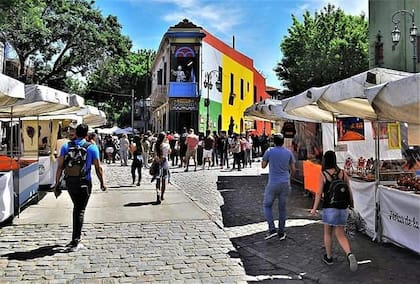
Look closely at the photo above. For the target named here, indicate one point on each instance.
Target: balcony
(182, 90)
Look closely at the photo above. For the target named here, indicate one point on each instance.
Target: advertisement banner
(400, 216)
(364, 203)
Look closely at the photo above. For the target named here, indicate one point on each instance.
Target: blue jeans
(273, 191)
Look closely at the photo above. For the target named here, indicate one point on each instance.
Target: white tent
(304, 105)
(76, 103)
(397, 100)
(92, 116)
(345, 97)
(11, 90)
(270, 110)
(38, 99)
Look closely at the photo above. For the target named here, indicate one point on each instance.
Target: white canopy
(345, 97)
(76, 103)
(38, 99)
(271, 110)
(11, 90)
(397, 100)
(304, 105)
(348, 96)
(109, 131)
(92, 116)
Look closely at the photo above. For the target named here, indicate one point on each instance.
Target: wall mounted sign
(183, 104)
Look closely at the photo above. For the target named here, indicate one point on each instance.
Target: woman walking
(162, 150)
(136, 150)
(333, 217)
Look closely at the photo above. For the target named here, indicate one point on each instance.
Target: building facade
(200, 82)
(382, 51)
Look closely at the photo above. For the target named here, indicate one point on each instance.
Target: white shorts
(207, 153)
(109, 150)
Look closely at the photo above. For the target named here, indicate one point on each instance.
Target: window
(247, 87)
(220, 78)
(231, 93)
(255, 94)
(159, 77)
(242, 89)
(165, 68)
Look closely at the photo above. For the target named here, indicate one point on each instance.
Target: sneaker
(270, 235)
(76, 247)
(352, 262)
(328, 261)
(282, 236)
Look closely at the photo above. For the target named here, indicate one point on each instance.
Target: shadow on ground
(299, 256)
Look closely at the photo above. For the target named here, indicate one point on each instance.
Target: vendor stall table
(400, 217)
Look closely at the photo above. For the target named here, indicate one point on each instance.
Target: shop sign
(183, 104)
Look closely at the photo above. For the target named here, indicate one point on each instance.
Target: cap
(176, 136)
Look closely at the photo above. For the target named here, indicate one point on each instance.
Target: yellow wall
(237, 109)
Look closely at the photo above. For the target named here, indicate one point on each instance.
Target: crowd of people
(157, 151)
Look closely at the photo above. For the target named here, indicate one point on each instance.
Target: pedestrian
(192, 144)
(175, 150)
(124, 147)
(208, 149)
(215, 154)
(333, 217)
(223, 146)
(281, 167)
(183, 147)
(235, 147)
(145, 143)
(162, 150)
(109, 149)
(136, 150)
(79, 186)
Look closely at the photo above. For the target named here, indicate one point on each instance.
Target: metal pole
(414, 45)
(132, 111)
(208, 102)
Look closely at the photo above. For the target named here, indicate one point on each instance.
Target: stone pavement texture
(209, 229)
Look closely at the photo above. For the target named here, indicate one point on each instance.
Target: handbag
(154, 168)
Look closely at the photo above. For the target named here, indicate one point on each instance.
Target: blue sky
(258, 25)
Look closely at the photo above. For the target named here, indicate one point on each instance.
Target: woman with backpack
(334, 207)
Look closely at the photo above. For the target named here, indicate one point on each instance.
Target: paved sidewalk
(128, 238)
(209, 229)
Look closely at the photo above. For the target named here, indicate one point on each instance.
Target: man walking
(192, 143)
(78, 178)
(282, 167)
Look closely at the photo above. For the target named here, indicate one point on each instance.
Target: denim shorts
(334, 217)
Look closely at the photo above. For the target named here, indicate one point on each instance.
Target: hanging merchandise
(288, 130)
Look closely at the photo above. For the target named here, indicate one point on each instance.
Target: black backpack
(75, 161)
(338, 191)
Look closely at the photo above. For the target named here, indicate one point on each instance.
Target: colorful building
(200, 82)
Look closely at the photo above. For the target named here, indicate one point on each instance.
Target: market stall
(11, 90)
(371, 151)
(23, 143)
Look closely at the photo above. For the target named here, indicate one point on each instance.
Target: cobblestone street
(209, 229)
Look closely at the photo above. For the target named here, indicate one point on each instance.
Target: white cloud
(353, 7)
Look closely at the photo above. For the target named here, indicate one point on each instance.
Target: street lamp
(208, 84)
(396, 33)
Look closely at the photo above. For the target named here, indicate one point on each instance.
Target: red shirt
(192, 141)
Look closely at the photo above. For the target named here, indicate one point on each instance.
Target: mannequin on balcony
(179, 74)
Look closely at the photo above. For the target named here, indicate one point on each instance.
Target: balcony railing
(182, 90)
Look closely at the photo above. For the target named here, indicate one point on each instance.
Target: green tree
(62, 38)
(323, 49)
(113, 81)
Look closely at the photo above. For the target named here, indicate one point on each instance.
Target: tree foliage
(323, 49)
(61, 38)
(113, 81)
